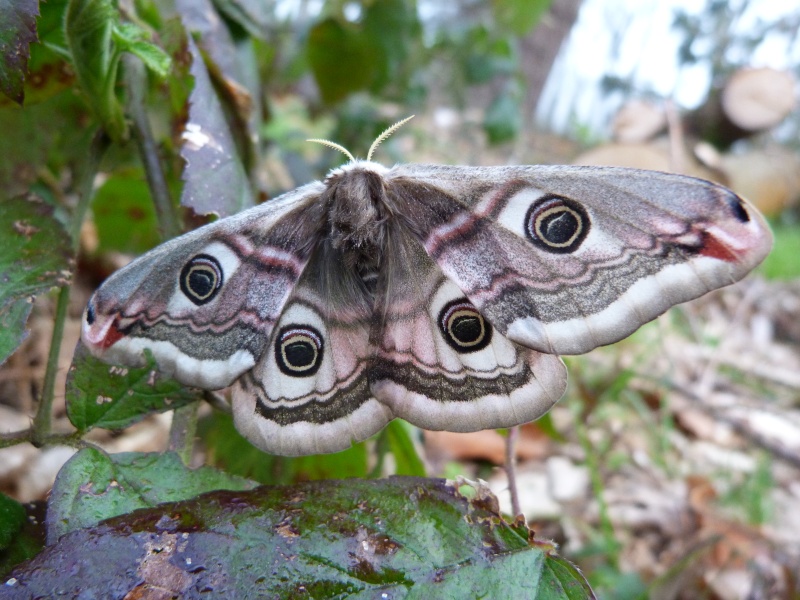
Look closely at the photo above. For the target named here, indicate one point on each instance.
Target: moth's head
(187, 304)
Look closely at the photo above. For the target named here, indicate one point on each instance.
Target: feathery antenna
(335, 146)
(381, 138)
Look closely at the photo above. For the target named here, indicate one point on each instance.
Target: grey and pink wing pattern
(337, 370)
(205, 304)
(439, 364)
(309, 392)
(565, 259)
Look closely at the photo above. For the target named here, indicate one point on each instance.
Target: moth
(442, 295)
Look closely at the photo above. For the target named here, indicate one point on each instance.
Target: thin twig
(41, 422)
(148, 149)
(511, 468)
(100, 143)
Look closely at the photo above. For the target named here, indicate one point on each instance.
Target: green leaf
(48, 70)
(93, 486)
(89, 25)
(520, 16)
(228, 450)
(341, 58)
(99, 395)
(124, 214)
(35, 251)
(43, 135)
(132, 38)
(12, 517)
(35, 256)
(17, 32)
(398, 538)
(13, 318)
(214, 178)
(389, 25)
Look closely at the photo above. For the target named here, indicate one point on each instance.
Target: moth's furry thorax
(358, 209)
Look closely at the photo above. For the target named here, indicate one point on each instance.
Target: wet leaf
(99, 395)
(17, 32)
(396, 538)
(214, 178)
(93, 486)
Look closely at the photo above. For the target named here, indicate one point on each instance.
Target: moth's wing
(309, 392)
(564, 259)
(205, 303)
(439, 364)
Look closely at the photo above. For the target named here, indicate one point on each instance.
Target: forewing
(564, 259)
(205, 303)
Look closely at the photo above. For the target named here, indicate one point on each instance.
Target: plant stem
(148, 149)
(41, 422)
(100, 143)
(511, 468)
(183, 430)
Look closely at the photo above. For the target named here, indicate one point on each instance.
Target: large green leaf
(100, 395)
(41, 136)
(17, 32)
(35, 255)
(93, 486)
(395, 538)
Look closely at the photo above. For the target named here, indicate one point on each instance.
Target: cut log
(751, 101)
(638, 121)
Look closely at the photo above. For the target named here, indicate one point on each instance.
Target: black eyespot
(299, 350)
(738, 209)
(463, 327)
(557, 224)
(90, 316)
(201, 279)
